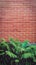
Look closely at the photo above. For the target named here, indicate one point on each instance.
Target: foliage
(17, 49)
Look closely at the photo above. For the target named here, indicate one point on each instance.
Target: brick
(18, 19)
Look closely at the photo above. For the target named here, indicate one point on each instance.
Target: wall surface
(18, 19)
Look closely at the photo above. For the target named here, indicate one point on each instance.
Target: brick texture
(18, 19)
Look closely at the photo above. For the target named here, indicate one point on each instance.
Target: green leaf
(33, 46)
(11, 54)
(28, 49)
(12, 42)
(25, 43)
(2, 52)
(16, 60)
(17, 42)
(27, 55)
(4, 44)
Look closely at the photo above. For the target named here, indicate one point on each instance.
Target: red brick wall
(18, 19)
